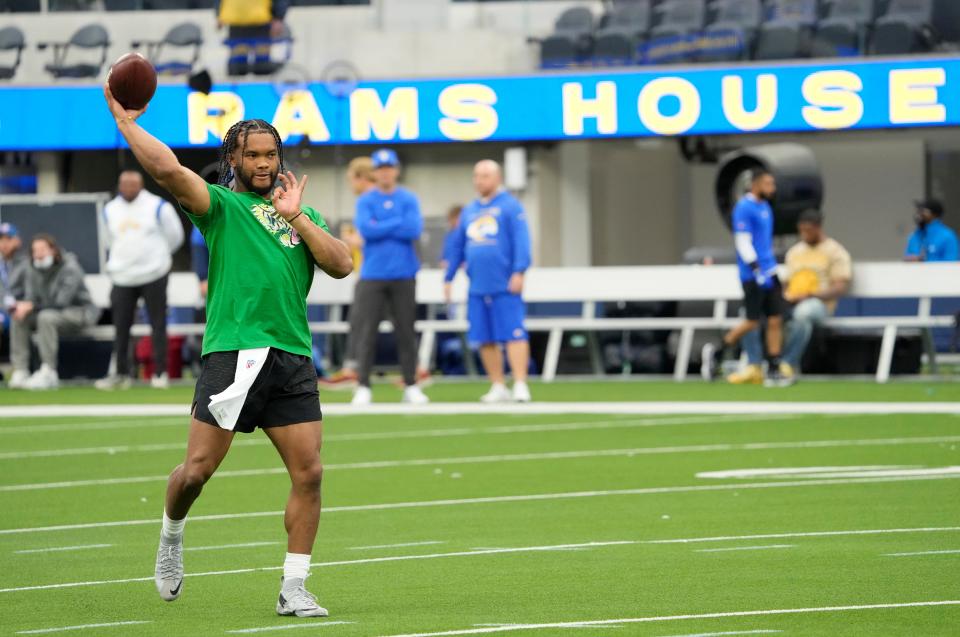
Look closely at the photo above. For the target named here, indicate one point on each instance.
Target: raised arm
(158, 160)
(331, 254)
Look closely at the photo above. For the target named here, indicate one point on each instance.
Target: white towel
(226, 405)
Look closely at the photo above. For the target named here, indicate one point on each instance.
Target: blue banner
(862, 94)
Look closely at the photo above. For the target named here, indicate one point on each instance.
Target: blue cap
(385, 157)
(8, 230)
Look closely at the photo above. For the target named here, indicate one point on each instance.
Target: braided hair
(236, 137)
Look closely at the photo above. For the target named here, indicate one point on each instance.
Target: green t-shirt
(260, 274)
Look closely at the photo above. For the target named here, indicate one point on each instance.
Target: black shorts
(760, 302)
(284, 393)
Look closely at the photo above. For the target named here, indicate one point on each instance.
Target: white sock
(172, 531)
(520, 383)
(498, 387)
(296, 566)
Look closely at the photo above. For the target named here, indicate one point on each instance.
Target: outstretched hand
(286, 199)
(116, 109)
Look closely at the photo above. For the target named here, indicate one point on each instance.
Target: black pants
(371, 300)
(124, 304)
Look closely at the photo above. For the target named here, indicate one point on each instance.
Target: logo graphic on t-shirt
(276, 225)
(250, 363)
(483, 228)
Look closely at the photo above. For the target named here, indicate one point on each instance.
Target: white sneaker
(362, 397)
(415, 396)
(521, 393)
(498, 394)
(160, 382)
(18, 379)
(169, 572)
(112, 382)
(43, 379)
(295, 599)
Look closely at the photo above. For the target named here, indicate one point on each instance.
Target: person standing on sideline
(762, 292)
(142, 231)
(55, 301)
(389, 220)
(13, 271)
(819, 272)
(494, 241)
(265, 245)
(933, 240)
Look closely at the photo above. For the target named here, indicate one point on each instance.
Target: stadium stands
(182, 36)
(572, 39)
(11, 41)
(906, 28)
(91, 37)
(677, 21)
(846, 28)
(732, 31)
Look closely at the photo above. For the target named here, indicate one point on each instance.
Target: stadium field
(548, 524)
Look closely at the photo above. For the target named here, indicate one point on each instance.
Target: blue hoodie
(494, 240)
(389, 225)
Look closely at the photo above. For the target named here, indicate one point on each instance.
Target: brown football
(133, 81)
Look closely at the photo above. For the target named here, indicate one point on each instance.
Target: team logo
(251, 363)
(482, 229)
(388, 204)
(276, 225)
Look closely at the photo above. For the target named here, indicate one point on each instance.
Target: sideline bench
(716, 285)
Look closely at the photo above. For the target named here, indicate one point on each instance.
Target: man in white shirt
(141, 231)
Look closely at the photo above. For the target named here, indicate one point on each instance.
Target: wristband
(295, 216)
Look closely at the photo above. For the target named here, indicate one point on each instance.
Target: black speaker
(799, 186)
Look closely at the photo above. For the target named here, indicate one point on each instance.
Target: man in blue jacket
(933, 240)
(389, 220)
(494, 240)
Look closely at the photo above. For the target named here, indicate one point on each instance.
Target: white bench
(717, 285)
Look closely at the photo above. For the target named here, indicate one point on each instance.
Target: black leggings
(124, 303)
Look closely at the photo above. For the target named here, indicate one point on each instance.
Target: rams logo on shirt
(276, 225)
(483, 229)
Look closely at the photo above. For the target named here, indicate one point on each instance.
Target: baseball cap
(933, 205)
(8, 230)
(385, 157)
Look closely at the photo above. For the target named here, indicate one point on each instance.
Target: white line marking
(946, 552)
(229, 546)
(667, 618)
(776, 536)
(394, 546)
(732, 632)
(492, 500)
(460, 409)
(371, 560)
(829, 472)
(525, 457)
(40, 631)
(54, 549)
(309, 624)
(747, 548)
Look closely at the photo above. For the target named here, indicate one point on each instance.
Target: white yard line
(730, 632)
(160, 421)
(314, 623)
(747, 548)
(54, 549)
(371, 560)
(460, 409)
(229, 546)
(777, 536)
(525, 457)
(41, 631)
(667, 618)
(495, 500)
(945, 552)
(394, 546)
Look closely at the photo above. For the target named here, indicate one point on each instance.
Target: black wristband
(295, 216)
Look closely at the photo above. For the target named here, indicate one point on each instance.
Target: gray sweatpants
(49, 324)
(371, 300)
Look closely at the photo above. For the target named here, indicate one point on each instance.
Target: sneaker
(413, 395)
(775, 377)
(749, 375)
(43, 379)
(521, 393)
(789, 375)
(362, 397)
(169, 572)
(709, 365)
(18, 379)
(295, 599)
(340, 381)
(113, 382)
(498, 394)
(160, 382)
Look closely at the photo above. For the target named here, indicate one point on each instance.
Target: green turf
(444, 460)
(911, 391)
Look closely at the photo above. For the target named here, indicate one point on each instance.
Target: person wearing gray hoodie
(56, 301)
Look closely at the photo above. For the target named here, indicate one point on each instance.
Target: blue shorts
(496, 318)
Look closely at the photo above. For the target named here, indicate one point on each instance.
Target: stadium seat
(558, 51)
(180, 36)
(677, 20)
(123, 5)
(20, 6)
(622, 31)
(11, 39)
(92, 36)
(734, 20)
(789, 31)
(571, 41)
(906, 28)
(845, 29)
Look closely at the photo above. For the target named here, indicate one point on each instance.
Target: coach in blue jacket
(389, 220)
(494, 240)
